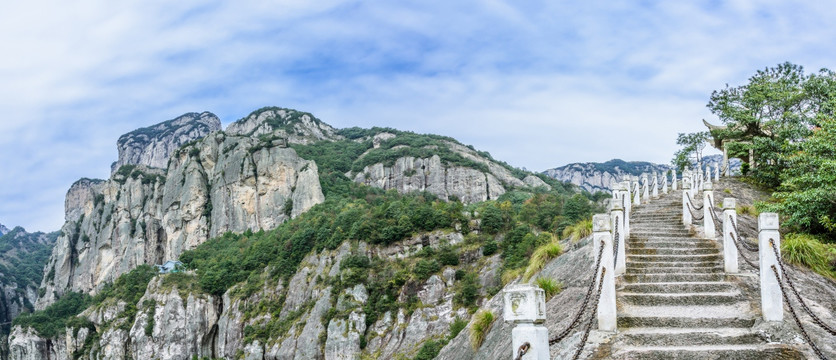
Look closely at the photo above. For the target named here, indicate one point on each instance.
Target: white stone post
(637, 193)
(664, 183)
(707, 208)
(716, 172)
(673, 179)
(606, 305)
(646, 190)
(727, 169)
(655, 185)
(525, 305)
(729, 221)
(686, 213)
(627, 205)
(617, 217)
(772, 302)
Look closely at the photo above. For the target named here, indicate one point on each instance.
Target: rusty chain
(749, 246)
(591, 318)
(616, 236)
(739, 251)
(692, 211)
(714, 217)
(795, 316)
(523, 350)
(691, 201)
(816, 319)
(579, 314)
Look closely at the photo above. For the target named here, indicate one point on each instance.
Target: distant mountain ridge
(3, 230)
(593, 176)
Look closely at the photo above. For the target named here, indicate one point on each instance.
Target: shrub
(448, 257)
(468, 291)
(489, 248)
(482, 322)
(579, 230)
(541, 256)
(511, 274)
(747, 210)
(424, 268)
(807, 250)
(429, 350)
(456, 327)
(550, 286)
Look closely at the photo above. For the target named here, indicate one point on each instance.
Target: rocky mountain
(22, 259)
(405, 245)
(152, 146)
(717, 159)
(3, 230)
(594, 177)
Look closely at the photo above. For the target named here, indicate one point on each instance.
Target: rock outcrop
(144, 215)
(152, 146)
(3, 230)
(293, 126)
(594, 177)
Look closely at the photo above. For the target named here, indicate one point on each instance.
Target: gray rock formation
(143, 215)
(594, 177)
(294, 126)
(152, 146)
(3, 230)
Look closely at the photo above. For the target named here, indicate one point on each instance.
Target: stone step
(675, 270)
(661, 236)
(679, 287)
(672, 251)
(681, 299)
(656, 232)
(681, 277)
(684, 264)
(656, 244)
(671, 258)
(738, 315)
(650, 337)
(710, 352)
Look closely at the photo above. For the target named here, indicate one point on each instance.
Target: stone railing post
(729, 221)
(707, 209)
(664, 183)
(673, 180)
(646, 190)
(686, 213)
(525, 305)
(655, 187)
(637, 195)
(617, 216)
(716, 172)
(606, 305)
(772, 302)
(627, 205)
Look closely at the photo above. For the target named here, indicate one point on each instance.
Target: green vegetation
(541, 256)
(691, 151)
(482, 322)
(809, 251)
(549, 286)
(133, 172)
(579, 230)
(51, 321)
(23, 256)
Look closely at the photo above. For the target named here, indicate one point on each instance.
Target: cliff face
(143, 215)
(594, 177)
(3, 230)
(295, 126)
(152, 146)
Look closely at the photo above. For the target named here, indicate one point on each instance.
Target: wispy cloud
(536, 84)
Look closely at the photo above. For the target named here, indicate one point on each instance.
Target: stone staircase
(675, 301)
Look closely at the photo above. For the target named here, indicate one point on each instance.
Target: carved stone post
(673, 179)
(664, 183)
(729, 221)
(707, 209)
(617, 217)
(686, 213)
(606, 305)
(646, 190)
(627, 205)
(525, 305)
(655, 187)
(772, 302)
(716, 172)
(637, 192)
(727, 169)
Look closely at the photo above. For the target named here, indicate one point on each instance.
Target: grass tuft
(482, 322)
(809, 251)
(511, 274)
(541, 256)
(747, 210)
(578, 231)
(550, 286)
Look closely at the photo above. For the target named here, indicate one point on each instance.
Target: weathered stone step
(679, 287)
(686, 264)
(651, 258)
(660, 236)
(656, 278)
(672, 251)
(655, 244)
(627, 321)
(682, 299)
(675, 270)
(649, 337)
(656, 232)
(710, 352)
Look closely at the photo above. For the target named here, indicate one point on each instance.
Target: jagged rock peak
(152, 146)
(294, 126)
(3, 230)
(594, 177)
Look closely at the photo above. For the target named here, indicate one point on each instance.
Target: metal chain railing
(749, 246)
(522, 350)
(579, 314)
(739, 251)
(804, 306)
(717, 222)
(616, 238)
(591, 318)
(795, 316)
(694, 216)
(691, 201)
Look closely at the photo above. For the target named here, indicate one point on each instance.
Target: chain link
(591, 318)
(816, 319)
(691, 202)
(749, 246)
(579, 314)
(694, 216)
(739, 251)
(714, 217)
(616, 240)
(523, 350)
(795, 316)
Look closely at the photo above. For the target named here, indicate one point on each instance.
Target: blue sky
(537, 84)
